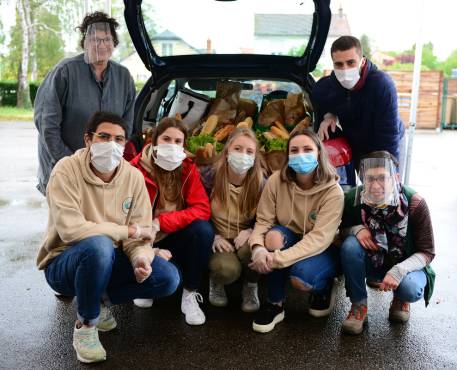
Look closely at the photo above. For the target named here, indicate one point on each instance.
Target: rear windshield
(267, 27)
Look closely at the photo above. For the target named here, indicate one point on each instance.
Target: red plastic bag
(339, 151)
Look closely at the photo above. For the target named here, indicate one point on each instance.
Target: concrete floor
(36, 327)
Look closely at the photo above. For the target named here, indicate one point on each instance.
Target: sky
(390, 24)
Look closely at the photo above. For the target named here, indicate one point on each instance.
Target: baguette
(224, 132)
(269, 135)
(279, 125)
(278, 132)
(242, 124)
(208, 152)
(249, 121)
(209, 125)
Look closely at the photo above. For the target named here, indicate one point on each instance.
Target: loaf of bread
(209, 125)
(278, 132)
(279, 125)
(224, 132)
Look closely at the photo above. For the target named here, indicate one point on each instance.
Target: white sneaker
(106, 321)
(250, 298)
(143, 302)
(217, 296)
(190, 307)
(87, 345)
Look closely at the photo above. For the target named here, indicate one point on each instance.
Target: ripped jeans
(316, 272)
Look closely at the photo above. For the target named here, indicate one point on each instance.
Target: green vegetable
(195, 142)
(275, 144)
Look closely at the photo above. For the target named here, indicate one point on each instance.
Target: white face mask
(348, 78)
(106, 156)
(168, 156)
(240, 163)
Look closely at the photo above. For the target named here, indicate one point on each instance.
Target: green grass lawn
(15, 114)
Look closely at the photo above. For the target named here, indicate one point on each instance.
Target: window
(167, 49)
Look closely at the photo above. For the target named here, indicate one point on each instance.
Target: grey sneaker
(87, 345)
(217, 295)
(106, 320)
(250, 298)
(399, 311)
(358, 315)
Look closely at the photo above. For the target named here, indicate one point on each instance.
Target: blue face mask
(303, 163)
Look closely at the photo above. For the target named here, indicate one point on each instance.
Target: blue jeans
(190, 248)
(314, 272)
(357, 267)
(94, 271)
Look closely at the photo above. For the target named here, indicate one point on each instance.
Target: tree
(2, 40)
(23, 89)
(449, 64)
(366, 48)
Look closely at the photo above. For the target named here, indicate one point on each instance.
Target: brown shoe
(358, 315)
(399, 311)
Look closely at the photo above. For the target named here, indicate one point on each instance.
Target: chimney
(209, 50)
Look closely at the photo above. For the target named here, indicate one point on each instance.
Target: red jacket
(196, 200)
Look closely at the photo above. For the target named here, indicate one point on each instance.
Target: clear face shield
(380, 183)
(98, 43)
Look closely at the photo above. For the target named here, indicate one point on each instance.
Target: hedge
(8, 91)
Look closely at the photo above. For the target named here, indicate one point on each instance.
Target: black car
(269, 52)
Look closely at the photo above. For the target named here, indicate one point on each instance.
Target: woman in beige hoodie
(297, 218)
(97, 245)
(236, 184)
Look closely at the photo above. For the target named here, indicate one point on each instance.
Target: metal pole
(414, 93)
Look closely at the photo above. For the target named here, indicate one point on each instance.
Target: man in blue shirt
(362, 99)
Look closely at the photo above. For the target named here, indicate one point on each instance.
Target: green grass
(15, 114)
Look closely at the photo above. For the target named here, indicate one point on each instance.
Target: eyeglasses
(120, 139)
(106, 40)
(381, 179)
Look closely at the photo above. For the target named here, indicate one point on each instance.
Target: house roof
(165, 35)
(282, 24)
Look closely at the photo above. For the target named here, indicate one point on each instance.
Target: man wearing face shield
(363, 100)
(389, 240)
(76, 88)
(97, 245)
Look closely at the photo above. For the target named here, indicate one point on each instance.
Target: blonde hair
(251, 184)
(325, 171)
(169, 182)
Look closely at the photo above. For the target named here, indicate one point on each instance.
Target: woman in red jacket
(181, 210)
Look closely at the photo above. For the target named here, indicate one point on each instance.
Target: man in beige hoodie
(98, 241)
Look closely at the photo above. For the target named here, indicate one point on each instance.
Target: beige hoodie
(314, 213)
(81, 205)
(227, 218)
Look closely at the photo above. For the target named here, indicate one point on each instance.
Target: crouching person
(97, 246)
(390, 240)
(236, 187)
(297, 218)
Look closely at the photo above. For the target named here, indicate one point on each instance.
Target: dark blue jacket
(369, 117)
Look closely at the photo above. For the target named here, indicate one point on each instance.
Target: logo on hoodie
(312, 216)
(126, 204)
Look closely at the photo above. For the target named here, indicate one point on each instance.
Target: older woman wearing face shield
(76, 88)
(390, 239)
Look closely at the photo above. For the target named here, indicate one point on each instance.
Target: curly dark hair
(96, 17)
